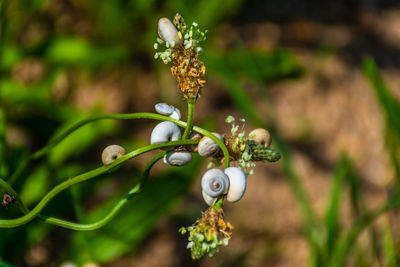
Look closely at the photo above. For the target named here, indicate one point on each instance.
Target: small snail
(260, 136)
(207, 147)
(209, 200)
(237, 180)
(164, 132)
(111, 153)
(215, 182)
(169, 110)
(178, 159)
(168, 32)
(193, 136)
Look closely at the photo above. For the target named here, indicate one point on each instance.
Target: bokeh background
(309, 71)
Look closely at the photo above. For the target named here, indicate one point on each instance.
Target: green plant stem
(84, 177)
(189, 122)
(96, 225)
(67, 131)
(100, 223)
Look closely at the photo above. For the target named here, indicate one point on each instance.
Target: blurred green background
(322, 76)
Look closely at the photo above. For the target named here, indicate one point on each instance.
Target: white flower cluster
(168, 54)
(193, 37)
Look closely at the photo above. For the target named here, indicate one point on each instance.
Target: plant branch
(129, 116)
(84, 177)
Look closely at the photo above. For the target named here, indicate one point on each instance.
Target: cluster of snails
(230, 182)
(215, 182)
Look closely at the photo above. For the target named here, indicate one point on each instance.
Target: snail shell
(169, 110)
(209, 200)
(176, 114)
(193, 136)
(261, 136)
(164, 108)
(178, 159)
(215, 182)
(207, 147)
(164, 132)
(237, 179)
(168, 32)
(111, 153)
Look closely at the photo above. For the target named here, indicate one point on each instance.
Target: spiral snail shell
(164, 132)
(179, 158)
(238, 181)
(260, 136)
(214, 182)
(207, 147)
(168, 110)
(111, 153)
(209, 200)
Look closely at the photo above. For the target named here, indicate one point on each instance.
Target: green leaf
(9, 56)
(332, 212)
(80, 140)
(74, 51)
(391, 108)
(35, 186)
(390, 105)
(389, 248)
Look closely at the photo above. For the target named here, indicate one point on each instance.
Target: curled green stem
(67, 131)
(100, 223)
(80, 178)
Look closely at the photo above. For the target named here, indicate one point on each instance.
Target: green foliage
(391, 110)
(124, 233)
(73, 51)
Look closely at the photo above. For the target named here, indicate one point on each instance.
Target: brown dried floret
(189, 72)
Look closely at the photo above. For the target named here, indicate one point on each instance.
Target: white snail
(168, 32)
(111, 153)
(169, 110)
(215, 182)
(164, 108)
(207, 147)
(260, 136)
(164, 132)
(209, 200)
(179, 158)
(176, 114)
(237, 179)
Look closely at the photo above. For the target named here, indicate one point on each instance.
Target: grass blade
(332, 212)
